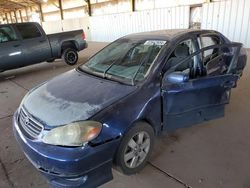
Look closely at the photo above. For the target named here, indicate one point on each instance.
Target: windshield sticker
(155, 42)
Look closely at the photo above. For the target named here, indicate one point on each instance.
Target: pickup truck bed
(70, 38)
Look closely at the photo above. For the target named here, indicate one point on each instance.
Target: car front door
(36, 45)
(192, 92)
(11, 53)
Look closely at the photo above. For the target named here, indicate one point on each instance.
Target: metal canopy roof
(11, 5)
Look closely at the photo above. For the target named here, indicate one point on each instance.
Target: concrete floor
(214, 154)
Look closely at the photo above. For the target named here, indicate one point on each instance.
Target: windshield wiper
(116, 60)
(90, 71)
(109, 67)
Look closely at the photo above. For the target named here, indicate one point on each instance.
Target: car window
(196, 64)
(127, 60)
(141, 56)
(7, 34)
(182, 51)
(219, 64)
(28, 31)
(205, 41)
(215, 60)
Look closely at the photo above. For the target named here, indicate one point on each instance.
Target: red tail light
(83, 36)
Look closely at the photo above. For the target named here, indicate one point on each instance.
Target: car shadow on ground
(43, 68)
(163, 142)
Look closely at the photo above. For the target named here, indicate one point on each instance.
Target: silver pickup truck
(24, 44)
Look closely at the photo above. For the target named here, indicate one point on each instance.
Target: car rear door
(203, 96)
(11, 53)
(36, 45)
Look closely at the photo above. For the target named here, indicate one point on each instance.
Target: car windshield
(124, 60)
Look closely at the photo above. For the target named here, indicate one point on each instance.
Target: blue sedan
(106, 113)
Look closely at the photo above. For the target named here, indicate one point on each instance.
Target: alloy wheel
(137, 149)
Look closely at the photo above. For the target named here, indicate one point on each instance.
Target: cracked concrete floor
(214, 154)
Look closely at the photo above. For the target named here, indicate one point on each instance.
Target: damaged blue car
(77, 126)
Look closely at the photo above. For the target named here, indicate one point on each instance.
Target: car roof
(168, 34)
(11, 24)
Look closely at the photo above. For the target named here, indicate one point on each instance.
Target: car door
(11, 53)
(196, 93)
(36, 45)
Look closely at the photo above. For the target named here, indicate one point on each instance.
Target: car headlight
(73, 134)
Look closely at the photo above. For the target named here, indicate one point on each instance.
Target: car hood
(73, 96)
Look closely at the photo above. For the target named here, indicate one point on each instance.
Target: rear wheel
(70, 56)
(135, 149)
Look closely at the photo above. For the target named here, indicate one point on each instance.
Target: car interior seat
(180, 53)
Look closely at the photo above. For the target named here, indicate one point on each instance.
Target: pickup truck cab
(24, 44)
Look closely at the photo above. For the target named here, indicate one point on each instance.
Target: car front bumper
(66, 167)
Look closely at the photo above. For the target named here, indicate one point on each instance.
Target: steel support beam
(27, 14)
(61, 9)
(89, 7)
(6, 17)
(11, 20)
(17, 4)
(41, 12)
(133, 5)
(15, 16)
(21, 16)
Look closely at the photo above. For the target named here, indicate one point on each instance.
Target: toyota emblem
(27, 120)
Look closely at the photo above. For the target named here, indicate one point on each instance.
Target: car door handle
(228, 84)
(17, 45)
(41, 41)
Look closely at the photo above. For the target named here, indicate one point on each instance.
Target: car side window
(28, 31)
(7, 34)
(205, 41)
(182, 51)
(214, 60)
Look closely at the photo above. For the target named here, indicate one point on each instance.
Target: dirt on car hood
(73, 96)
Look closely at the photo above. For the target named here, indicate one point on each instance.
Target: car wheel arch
(143, 120)
(138, 121)
(68, 44)
(127, 131)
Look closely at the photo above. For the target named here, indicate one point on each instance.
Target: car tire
(70, 56)
(135, 149)
(51, 60)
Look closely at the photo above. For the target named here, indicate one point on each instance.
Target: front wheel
(135, 149)
(70, 56)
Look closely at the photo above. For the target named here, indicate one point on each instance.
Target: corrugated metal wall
(110, 27)
(52, 26)
(68, 25)
(230, 17)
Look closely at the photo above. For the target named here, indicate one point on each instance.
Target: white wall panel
(68, 25)
(230, 17)
(77, 23)
(110, 27)
(52, 26)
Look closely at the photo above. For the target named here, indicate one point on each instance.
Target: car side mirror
(176, 77)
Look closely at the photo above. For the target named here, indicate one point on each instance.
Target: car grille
(29, 125)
